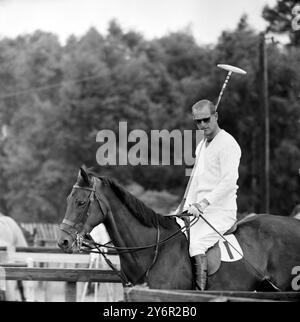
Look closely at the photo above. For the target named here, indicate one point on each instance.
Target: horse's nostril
(65, 242)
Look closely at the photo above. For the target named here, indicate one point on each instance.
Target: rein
(121, 274)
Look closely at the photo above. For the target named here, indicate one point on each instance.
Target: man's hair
(200, 104)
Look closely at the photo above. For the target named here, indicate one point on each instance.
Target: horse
(154, 251)
(12, 236)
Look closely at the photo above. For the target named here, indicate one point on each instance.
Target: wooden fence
(142, 294)
(43, 234)
(47, 255)
(71, 276)
(19, 264)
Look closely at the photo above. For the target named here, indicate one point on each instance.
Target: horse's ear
(83, 176)
(84, 168)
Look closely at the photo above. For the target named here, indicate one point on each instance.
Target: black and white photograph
(149, 154)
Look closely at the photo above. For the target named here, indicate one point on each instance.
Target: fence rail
(48, 255)
(48, 250)
(141, 294)
(61, 274)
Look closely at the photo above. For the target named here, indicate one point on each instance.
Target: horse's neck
(127, 231)
(124, 228)
(122, 225)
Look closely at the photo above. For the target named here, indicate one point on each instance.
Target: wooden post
(30, 285)
(2, 284)
(70, 287)
(265, 99)
(70, 292)
(4, 256)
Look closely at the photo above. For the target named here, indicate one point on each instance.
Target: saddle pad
(229, 253)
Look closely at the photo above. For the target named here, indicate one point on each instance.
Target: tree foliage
(280, 19)
(55, 98)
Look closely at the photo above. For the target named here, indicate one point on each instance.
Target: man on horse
(212, 189)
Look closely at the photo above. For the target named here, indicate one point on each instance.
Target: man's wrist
(203, 203)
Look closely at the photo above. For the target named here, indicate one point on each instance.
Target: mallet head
(230, 69)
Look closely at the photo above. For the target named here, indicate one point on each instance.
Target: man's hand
(195, 209)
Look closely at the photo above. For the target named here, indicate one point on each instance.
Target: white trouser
(202, 236)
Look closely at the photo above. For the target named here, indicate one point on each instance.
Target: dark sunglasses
(205, 120)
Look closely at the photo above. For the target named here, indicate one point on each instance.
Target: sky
(206, 19)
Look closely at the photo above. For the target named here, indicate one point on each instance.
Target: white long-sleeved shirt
(215, 172)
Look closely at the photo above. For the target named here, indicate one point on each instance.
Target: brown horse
(153, 249)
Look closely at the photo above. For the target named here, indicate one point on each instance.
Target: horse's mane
(142, 212)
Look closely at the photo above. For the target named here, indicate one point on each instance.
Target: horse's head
(85, 210)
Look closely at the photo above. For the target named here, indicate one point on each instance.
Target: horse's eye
(80, 203)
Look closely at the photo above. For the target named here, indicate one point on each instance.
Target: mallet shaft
(223, 88)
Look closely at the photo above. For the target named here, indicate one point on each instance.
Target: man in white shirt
(213, 187)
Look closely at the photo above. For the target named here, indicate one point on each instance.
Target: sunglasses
(205, 120)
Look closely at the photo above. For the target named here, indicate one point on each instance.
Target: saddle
(222, 251)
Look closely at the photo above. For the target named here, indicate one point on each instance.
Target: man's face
(205, 120)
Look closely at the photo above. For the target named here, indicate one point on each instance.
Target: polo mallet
(230, 69)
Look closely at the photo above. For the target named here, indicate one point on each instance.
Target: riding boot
(200, 271)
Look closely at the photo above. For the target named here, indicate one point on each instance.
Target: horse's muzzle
(65, 245)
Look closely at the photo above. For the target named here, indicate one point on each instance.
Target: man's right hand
(195, 210)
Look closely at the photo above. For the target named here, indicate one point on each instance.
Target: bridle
(71, 228)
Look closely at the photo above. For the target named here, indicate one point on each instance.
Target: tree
(280, 19)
